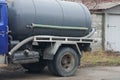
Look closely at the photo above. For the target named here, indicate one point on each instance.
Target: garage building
(106, 20)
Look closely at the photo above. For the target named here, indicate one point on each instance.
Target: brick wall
(97, 23)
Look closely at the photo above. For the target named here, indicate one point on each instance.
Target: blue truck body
(3, 27)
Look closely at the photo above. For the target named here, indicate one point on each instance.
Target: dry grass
(100, 58)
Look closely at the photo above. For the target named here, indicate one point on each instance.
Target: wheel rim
(67, 62)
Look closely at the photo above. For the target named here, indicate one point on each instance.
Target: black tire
(65, 62)
(35, 67)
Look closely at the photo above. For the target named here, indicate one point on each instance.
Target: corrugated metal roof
(104, 6)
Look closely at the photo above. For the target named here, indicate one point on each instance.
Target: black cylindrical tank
(47, 12)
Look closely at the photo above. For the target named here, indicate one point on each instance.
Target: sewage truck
(40, 33)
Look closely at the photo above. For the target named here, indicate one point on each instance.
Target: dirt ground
(87, 73)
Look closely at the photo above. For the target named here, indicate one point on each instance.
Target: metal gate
(112, 33)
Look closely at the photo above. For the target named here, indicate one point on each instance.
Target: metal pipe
(58, 27)
(21, 44)
(90, 34)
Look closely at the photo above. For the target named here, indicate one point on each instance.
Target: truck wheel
(34, 67)
(65, 62)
